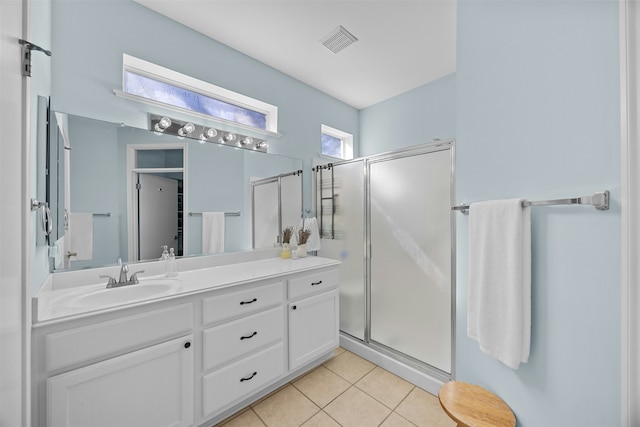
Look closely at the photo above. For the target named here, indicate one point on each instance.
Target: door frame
(432, 147)
(629, 19)
(132, 204)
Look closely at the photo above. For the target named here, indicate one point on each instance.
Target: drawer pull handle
(316, 283)
(294, 307)
(249, 336)
(187, 344)
(248, 302)
(247, 379)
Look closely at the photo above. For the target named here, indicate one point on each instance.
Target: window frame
(346, 138)
(175, 78)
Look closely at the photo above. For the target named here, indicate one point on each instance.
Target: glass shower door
(410, 256)
(343, 239)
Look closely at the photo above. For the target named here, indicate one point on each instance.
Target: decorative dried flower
(286, 234)
(303, 235)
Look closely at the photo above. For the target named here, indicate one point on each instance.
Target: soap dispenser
(165, 253)
(172, 266)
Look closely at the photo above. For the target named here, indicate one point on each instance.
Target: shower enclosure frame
(386, 352)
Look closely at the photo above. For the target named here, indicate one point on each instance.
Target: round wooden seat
(472, 406)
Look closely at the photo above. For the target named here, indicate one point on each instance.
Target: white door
(151, 387)
(313, 327)
(158, 215)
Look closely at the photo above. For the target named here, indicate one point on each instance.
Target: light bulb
(209, 133)
(186, 129)
(162, 124)
(247, 140)
(229, 137)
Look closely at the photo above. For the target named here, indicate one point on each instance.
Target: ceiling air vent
(338, 39)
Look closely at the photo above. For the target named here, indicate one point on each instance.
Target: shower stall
(388, 219)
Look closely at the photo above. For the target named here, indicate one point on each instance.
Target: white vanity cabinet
(191, 359)
(313, 316)
(135, 370)
(151, 387)
(244, 349)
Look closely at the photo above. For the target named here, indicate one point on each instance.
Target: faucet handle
(111, 279)
(134, 277)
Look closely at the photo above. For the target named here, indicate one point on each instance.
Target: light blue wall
(89, 38)
(412, 118)
(538, 117)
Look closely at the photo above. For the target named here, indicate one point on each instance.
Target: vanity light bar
(203, 134)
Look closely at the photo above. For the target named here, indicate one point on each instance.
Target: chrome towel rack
(600, 200)
(225, 214)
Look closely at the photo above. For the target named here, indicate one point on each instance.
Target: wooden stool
(472, 406)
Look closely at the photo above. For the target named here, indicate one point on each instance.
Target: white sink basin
(146, 289)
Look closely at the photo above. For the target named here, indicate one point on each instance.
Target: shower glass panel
(266, 211)
(410, 256)
(291, 200)
(348, 244)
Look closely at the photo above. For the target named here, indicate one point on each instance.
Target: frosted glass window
(166, 93)
(336, 143)
(157, 85)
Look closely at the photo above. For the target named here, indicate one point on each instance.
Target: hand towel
(80, 236)
(499, 299)
(212, 232)
(313, 243)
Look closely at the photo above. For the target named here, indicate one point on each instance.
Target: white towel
(313, 243)
(499, 311)
(80, 236)
(212, 232)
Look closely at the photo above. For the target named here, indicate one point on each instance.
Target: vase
(286, 251)
(302, 250)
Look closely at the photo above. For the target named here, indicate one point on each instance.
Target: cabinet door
(150, 387)
(313, 327)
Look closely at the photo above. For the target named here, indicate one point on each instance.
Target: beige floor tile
(288, 407)
(321, 386)
(385, 387)
(354, 408)
(350, 366)
(423, 409)
(321, 419)
(247, 418)
(395, 420)
(338, 351)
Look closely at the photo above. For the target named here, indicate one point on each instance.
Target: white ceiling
(402, 44)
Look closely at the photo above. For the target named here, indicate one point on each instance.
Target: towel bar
(600, 200)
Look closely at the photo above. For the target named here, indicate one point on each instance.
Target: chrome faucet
(122, 280)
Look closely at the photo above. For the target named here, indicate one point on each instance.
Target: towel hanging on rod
(600, 200)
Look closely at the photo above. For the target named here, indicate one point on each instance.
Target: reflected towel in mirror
(212, 232)
(80, 236)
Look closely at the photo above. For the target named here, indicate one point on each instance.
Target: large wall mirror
(119, 192)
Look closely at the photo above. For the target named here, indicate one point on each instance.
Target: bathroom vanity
(225, 337)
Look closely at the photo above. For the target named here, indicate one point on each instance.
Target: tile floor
(346, 391)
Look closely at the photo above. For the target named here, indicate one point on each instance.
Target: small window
(173, 89)
(336, 143)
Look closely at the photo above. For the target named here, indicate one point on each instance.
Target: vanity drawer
(239, 380)
(228, 341)
(311, 283)
(109, 338)
(222, 307)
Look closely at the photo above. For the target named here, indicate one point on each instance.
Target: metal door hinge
(138, 186)
(27, 47)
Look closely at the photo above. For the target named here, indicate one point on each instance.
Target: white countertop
(52, 302)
